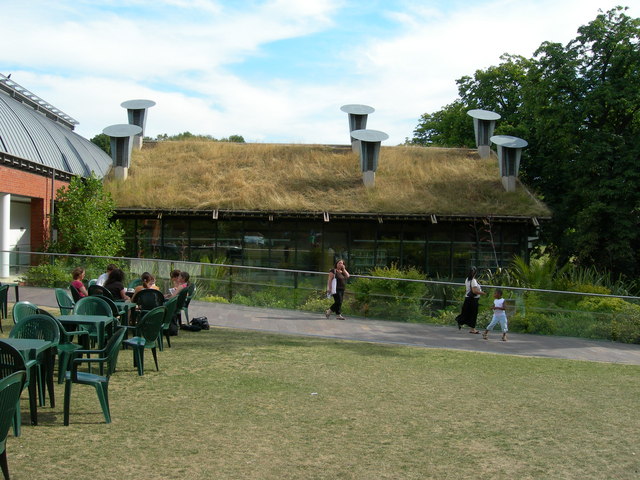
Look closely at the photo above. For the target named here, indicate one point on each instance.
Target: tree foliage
(83, 219)
(191, 136)
(578, 106)
(103, 141)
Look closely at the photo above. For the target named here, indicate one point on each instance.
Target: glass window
(283, 241)
(255, 243)
(203, 241)
(176, 239)
(363, 247)
(413, 246)
(439, 250)
(388, 251)
(229, 244)
(149, 238)
(335, 240)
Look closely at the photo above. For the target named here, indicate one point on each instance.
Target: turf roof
(313, 178)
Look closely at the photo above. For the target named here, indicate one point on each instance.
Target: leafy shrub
(389, 298)
(534, 323)
(47, 275)
(214, 299)
(317, 303)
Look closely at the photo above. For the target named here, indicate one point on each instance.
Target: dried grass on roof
(271, 177)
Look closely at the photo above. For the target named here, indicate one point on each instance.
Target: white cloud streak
(87, 57)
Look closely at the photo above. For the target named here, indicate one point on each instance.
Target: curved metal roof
(28, 134)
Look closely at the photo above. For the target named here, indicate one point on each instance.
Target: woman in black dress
(469, 314)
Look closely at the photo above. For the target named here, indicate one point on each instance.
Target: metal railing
(542, 311)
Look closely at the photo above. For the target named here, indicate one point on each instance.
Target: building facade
(442, 247)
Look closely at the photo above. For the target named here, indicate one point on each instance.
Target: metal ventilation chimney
(122, 139)
(509, 152)
(137, 113)
(369, 141)
(357, 120)
(484, 123)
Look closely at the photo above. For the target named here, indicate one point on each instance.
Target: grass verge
(230, 404)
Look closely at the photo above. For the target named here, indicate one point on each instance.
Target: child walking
(499, 315)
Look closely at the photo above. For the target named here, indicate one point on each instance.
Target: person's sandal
(327, 312)
(485, 335)
(474, 331)
(340, 317)
(504, 337)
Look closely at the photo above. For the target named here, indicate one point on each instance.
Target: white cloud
(86, 58)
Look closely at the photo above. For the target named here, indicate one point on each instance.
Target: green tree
(448, 127)
(103, 141)
(582, 116)
(578, 106)
(83, 219)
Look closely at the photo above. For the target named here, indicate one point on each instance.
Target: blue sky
(271, 71)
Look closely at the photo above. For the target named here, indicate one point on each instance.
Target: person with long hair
(182, 282)
(336, 284)
(473, 291)
(78, 276)
(115, 285)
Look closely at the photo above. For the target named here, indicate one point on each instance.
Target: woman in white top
(469, 314)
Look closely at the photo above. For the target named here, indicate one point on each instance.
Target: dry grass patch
(267, 177)
(229, 404)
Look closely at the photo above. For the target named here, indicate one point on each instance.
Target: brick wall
(38, 188)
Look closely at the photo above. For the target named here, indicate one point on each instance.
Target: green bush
(214, 299)
(317, 302)
(388, 298)
(48, 275)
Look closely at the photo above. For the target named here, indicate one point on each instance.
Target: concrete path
(291, 322)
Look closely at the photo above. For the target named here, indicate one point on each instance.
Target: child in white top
(499, 315)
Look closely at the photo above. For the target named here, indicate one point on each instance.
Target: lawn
(229, 404)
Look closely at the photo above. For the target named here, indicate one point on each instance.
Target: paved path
(431, 336)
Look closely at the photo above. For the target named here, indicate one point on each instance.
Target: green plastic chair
(4, 303)
(170, 305)
(65, 302)
(146, 336)
(10, 389)
(75, 294)
(92, 306)
(22, 310)
(191, 291)
(116, 312)
(40, 327)
(182, 297)
(11, 361)
(94, 290)
(146, 299)
(66, 347)
(106, 357)
(136, 282)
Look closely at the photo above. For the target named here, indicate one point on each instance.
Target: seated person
(175, 282)
(183, 282)
(115, 285)
(78, 276)
(148, 281)
(103, 278)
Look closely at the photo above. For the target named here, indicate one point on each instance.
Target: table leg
(51, 359)
(33, 400)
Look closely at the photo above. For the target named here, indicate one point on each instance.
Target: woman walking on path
(336, 284)
(469, 314)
